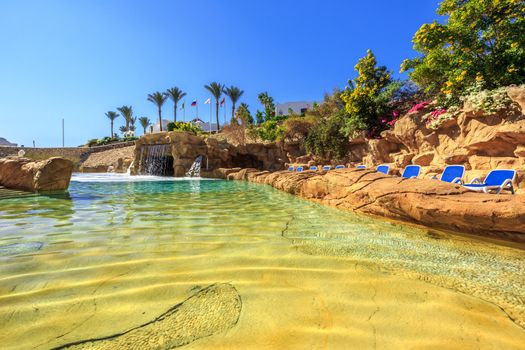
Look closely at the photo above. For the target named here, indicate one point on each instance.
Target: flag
(208, 101)
(194, 103)
(183, 105)
(223, 101)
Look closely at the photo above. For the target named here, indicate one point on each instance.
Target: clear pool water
(114, 254)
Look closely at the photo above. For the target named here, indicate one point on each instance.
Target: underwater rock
(211, 310)
(20, 248)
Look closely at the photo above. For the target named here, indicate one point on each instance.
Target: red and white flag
(194, 103)
(208, 101)
(223, 101)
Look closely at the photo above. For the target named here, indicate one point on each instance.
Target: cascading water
(156, 160)
(128, 172)
(195, 170)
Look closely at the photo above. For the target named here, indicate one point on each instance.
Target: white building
(164, 126)
(205, 126)
(299, 107)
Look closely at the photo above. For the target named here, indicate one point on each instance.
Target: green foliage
(127, 113)
(243, 114)
(109, 140)
(480, 40)
(234, 93)
(366, 99)
(297, 128)
(181, 126)
(216, 90)
(175, 94)
(488, 102)
(144, 122)
(259, 117)
(327, 139)
(269, 105)
(270, 130)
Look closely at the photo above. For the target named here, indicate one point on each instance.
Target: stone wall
(76, 154)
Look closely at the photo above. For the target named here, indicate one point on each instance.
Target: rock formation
(25, 174)
(428, 202)
(185, 147)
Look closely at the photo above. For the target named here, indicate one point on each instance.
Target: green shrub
(270, 130)
(327, 138)
(181, 126)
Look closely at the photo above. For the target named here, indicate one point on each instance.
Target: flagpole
(210, 115)
(224, 106)
(184, 111)
(197, 108)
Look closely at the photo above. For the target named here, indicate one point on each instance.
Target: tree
(158, 98)
(269, 106)
(112, 116)
(259, 117)
(127, 113)
(234, 93)
(481, 40)
(144, 122)
(243, 114)
(175, 94)
(216, 90)
(123, 129)
(362, 103)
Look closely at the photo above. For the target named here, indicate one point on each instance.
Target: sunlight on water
(117, 251)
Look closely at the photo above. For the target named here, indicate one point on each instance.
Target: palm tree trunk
(112, 129)
(217, 113)
(175, 112)
(160, 120)
(144, 130)
(233, 111)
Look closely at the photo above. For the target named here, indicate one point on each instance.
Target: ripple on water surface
(114, 253)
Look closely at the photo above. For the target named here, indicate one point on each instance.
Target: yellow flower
(513, 45)
(449, 83)
(511, 69)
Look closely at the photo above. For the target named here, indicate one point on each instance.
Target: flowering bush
(487, 101)
(419, 107)
(435, 118)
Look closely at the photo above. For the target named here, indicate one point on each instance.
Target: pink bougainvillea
(418, 107)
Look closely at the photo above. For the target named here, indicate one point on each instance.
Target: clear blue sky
(78, 59)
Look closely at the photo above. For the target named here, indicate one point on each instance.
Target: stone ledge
(427, 202)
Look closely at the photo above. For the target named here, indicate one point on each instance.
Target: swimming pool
(96, 266)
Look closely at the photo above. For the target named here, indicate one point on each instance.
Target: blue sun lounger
(411, 171)
(383, 168)
(327, 167)
(496, 181)
(339, 166)
(291, 168)
(361, 167)
(452, 174)
(299, 169)
(313, 168)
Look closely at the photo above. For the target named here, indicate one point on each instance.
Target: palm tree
(132, 122)
(144, 122)
(123, 129)
(158, 98)
(234, 93)
(127, 113)
(216, 90)
(176, 95)
(112, 116)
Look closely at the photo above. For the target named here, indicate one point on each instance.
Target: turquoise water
(83, 258)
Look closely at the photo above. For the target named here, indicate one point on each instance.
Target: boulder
(424, 159)
(517, 94)
(25, 174)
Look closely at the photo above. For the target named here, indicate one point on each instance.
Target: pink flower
(395, 114)
(418, 107)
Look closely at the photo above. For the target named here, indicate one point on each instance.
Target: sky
(76, 60)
